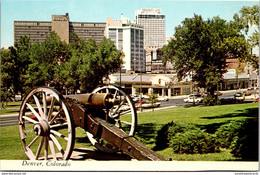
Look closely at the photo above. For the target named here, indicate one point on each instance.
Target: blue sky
(98, 10)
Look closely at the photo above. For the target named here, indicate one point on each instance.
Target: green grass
(209, 118)
(11, 108)
(11, 147)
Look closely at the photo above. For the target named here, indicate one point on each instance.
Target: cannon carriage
(47, 122)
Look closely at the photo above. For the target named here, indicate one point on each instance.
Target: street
(8, 120)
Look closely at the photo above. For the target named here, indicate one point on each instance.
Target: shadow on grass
(9, 111)
(250, 113)
(146, 132)
(82, 139)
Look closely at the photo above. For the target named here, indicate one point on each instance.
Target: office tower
(154, 26)
(38, 30)
(128, 37)
(153, 23)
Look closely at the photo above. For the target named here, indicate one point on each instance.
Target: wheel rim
(124, 114)
(46, 129)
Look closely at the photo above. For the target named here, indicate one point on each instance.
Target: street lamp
(141, 109)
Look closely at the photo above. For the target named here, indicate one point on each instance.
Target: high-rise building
(154, 26)
(128, 37)
(38, 30)
(153, 23)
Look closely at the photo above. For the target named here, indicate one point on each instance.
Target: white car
(163, 99)
(193, 99)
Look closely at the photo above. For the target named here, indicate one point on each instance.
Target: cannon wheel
(123, 112)
(45, 126)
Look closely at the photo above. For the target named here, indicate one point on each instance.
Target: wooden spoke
(38, 106)
(52, 149)
(39, 149)
(59, 135)
(30, 120)
(115, 94)
(44, 105)
(34, 112)
(52, 120)
(56, 142)
(33, 141)
(46, 146)
(60, 125)
(51, 108)
(29, 153)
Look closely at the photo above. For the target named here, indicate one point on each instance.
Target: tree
(7, 65)
(168, 53)
(98, 62)
(247, 18)
(153, 98)
(15, 61)
(45, 57)
(22, 59)
(201, 46)
(89, 64)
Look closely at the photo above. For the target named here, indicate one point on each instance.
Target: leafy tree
(89, 64)
(22, 59)
(247, 18)
(98, 62)
(200, 48)
(15, 61)
(153, 98)
(7, 64)
(168, 53)
(45, 57)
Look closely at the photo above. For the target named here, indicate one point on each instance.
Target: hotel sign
(59, 18)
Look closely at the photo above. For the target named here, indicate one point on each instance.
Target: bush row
(241, 137)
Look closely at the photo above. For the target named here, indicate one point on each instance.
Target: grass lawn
(209, 118)
(11, 108)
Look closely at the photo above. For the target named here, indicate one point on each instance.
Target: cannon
(47, 122)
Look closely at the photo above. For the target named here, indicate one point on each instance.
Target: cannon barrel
(101, 100)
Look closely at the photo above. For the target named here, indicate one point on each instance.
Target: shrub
(241, 137)
(226, 133)
(193, 141)
(185, 138)
(245, 144)
(167, 132)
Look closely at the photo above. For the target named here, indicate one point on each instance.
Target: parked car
(247, 93)
(218, 93)
(193, 98)
(163, 99)
(238, 94)
(138, 103)
(135, 98)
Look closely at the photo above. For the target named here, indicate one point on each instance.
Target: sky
(98, 10)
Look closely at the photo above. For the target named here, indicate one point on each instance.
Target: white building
(154, 37)
(128, 37)
(154, 26)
